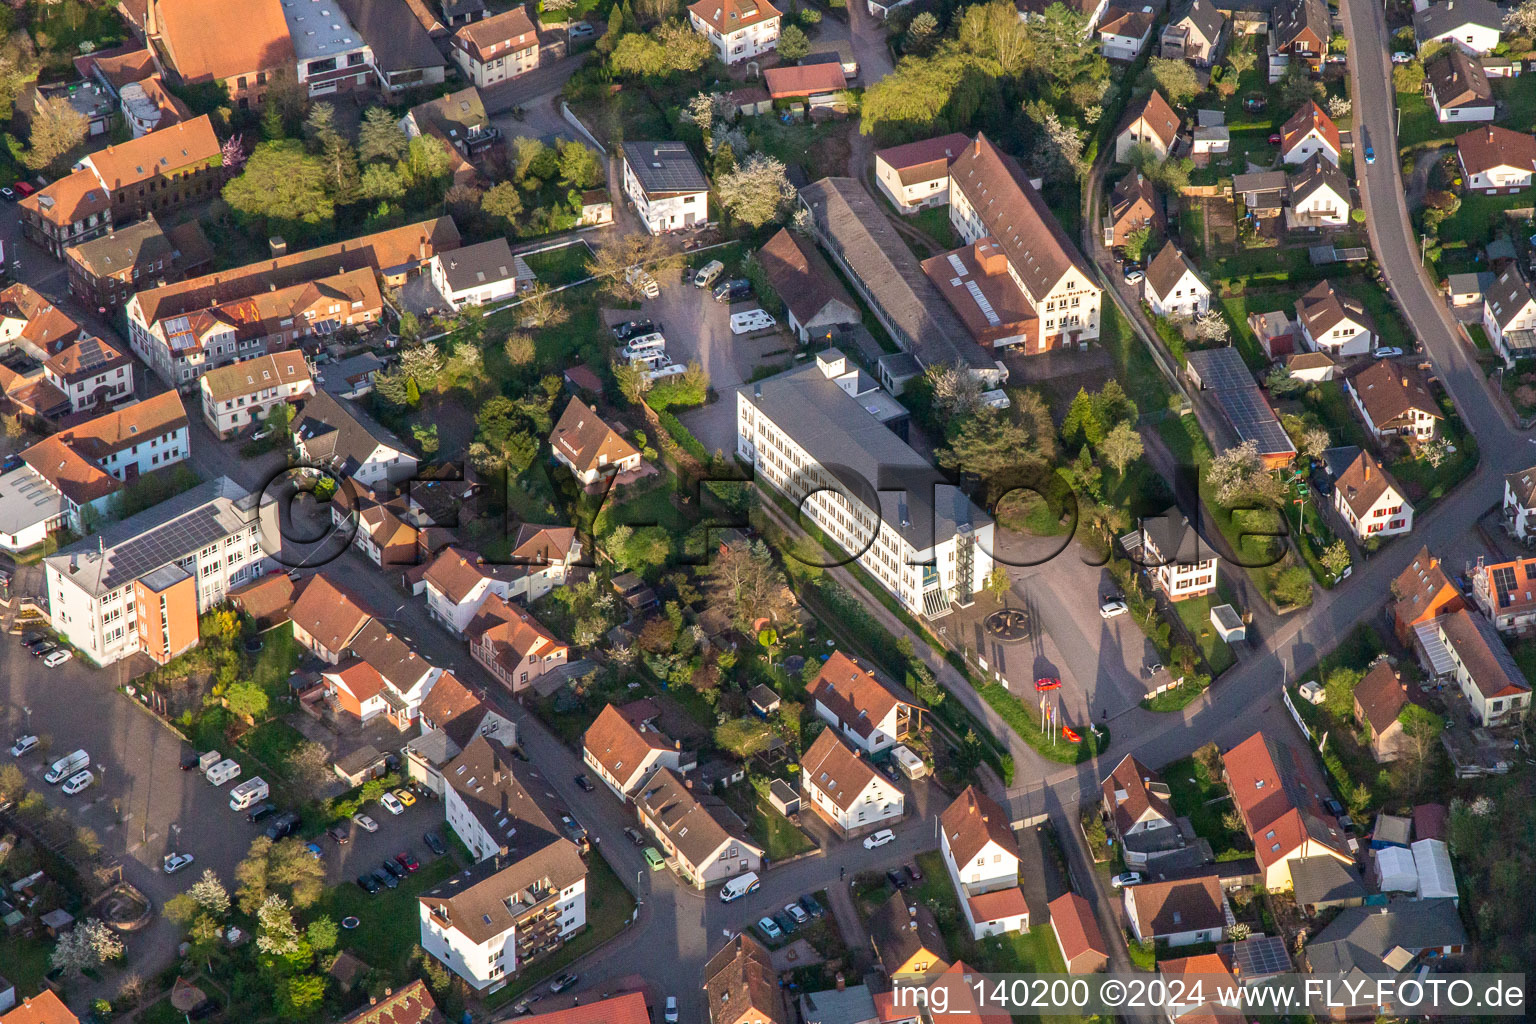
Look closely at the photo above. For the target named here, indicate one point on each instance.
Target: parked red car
(1274, 139)
(23, 189)
(1049, 683)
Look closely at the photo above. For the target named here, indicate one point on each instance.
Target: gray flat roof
(26, 499)
(855, 447)
(319, 28)
(664, 168)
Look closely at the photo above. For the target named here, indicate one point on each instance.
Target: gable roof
(511, 632)
(1324, 880)
(697, 823)
(1508, 297)
(1133, 779)
(1293, 18)
(334, 429)
(1017, 218)
(329, 612)
(1364, 938)
(1318, 172)
(1203, 16)
(925, 159)
(1389, 390)
(1121, 21)
(804, 79)
(835, 769)
(1179, 905)
(1134, 196)
(1322, 308)
(455, 572)
(537, 545)
(1488, 147)
(853, 226)
(1419, 584)
(409, 1005)
(971, 822)
(1168, 268)
(141, 243)
(479, 901)
(1363, 483)
(390, 655)
(158, 153)
(1158, 115)
(1522, 485)
(1176, 539)
(1478, 645)
(454, 708)
(901, 927)
(627, 1008)
(621, 745)
(1301, 124)
(214, 39)
(395, 32)
(490, 782)
(1437, 19)
(1279, 807)
(1381, 696)
(854, 693)
(582, 436)
(740, 979)
(1076, 928)
(513, 27)
(43, 1008)
(85, 358)
(727, 16)
(252, 375)
(1457, 80)
(800, 276)
(474, 265)
(74, 197)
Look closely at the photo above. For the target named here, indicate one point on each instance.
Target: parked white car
(708, 273)
(57, 658)
(174, 862)
(1402, 57)
(1387, 352)
(1109, 609)
(78, 782)
(392, 803)
(22, 745)
(1128, 878)
(879, 839)
(365, 823)
(752, 320)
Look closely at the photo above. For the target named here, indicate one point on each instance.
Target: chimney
(687, 783)
(1367, 469)
(978, 143)
(388, 992)
(841, 984)
(912, 911)
(677, 744)
(373, 1000)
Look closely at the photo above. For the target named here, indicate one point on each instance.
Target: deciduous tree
(1175, 79)
(541, 307)
(745, 584)
(57, 130)
(86, 946)
(757, 191)
(1121, 446)
(281, 191)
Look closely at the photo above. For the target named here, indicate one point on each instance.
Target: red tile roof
(971, 822)
(727, 16)
(1301, 124)
(999, 904)
(216, 39)
(925, 159)
(854, 694)
(1487, 147)
(628, 1008)
(1076, 928)
(1277, 799)
(43, 1008)
(805, 80)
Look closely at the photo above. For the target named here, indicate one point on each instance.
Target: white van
(224, 771)
(66, 766)
(208, 759)
(739, 886)
(247, 793)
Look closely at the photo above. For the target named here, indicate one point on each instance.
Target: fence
(575, 122)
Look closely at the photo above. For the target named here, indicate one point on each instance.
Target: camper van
(738, 887)
(64, 767)
(224, 771)
(248, 793)
(208, 759)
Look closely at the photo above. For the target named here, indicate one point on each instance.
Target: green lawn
(276, 661)
(1419, 125)
(778, 835)
(934, 222)
(391, 924)
(272, 742)
(1480, 217)
(1023, 716)
(1205, 802)
(1426, 484)
(564, 265)
(1134, 367)
(1389, 322)
(25, 961)
(609, 908)
(1195, 613)
(1332, 408)
(1479, 338)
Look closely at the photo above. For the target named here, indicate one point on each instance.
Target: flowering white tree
(278, 934)
(1212, 326)
(86, 946)
(757, 191)
(209, 894)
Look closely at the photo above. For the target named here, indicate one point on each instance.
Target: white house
(1509, 315)
(1334, 323)
(1125, 31)
(1482, 667)
(982, 858)
(1180, 913)
(456, 583)
(738, 29)
(1458, 88)
(1180, 562)
(451, 716)
(1520, 503)
(91, 374)
(664, 182)
(1173, 288)
(525, 896)
(383, 675)
(1494, 158)
(1394, 400)
(846, 790)
(341, 437)
(479, 274)
(1473, 25)
(624, 751)
(240, 394)
(589, 447)
(916, 175)
(866, 712)
(1307, 133)
(1139, 807)
(1370, 501)
(1319, 195)
(702, 839)
(497, 48)
(1150, 123)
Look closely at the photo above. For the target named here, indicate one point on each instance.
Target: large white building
(982, 858)
(497, 48)
(525, 896)
(805, 433)
(845, 789)
(240, 394)
(665, 183)
(140, 584)
(737, 29)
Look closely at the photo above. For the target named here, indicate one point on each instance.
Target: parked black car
(633, 329)
(912, 873)
(397, 870)
(188, 761)
(786, 924)
(260, 811)
(386, 878)
(585, 783)
(733, 290)
(435, 843)
(811, 905)
(340, 834)
(282, 825)
(368, 883)
(896, 878)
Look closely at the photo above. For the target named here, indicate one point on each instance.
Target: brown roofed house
(1370, 501)
(698, 833)
(512, 645)
(1134, 204)
(1496, 160)
(807, 80)
(1140, 809)
(497, 48)
(244, 46)
(1307, 133)
(590, 447)
(1151, 123)
(974, 280)
(1279, 797)
(868, 712)
(1483, 668)
(326, 616)
(916, 175)
(1181, 912)
(1420, 593)
(624, 751)
(907, 938)
(93, 374)
(741, 985)
(1379, 698)
(1394, 399)
(816, 300)
(1458, 87)
(1078, 935)
(1334, 323)
(845, 789)
(409, 1005)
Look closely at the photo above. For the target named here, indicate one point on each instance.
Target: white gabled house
(1509, 316)
(846, 790)
(625, 750)
(982, 858)
(1334, 323)
(1173, 287)
(1370, 501)
(868, 714)
(340, 436)
(1307, 133)
(737, 29)
(1520, 503)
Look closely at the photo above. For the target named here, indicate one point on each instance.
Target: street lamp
(26, 710)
